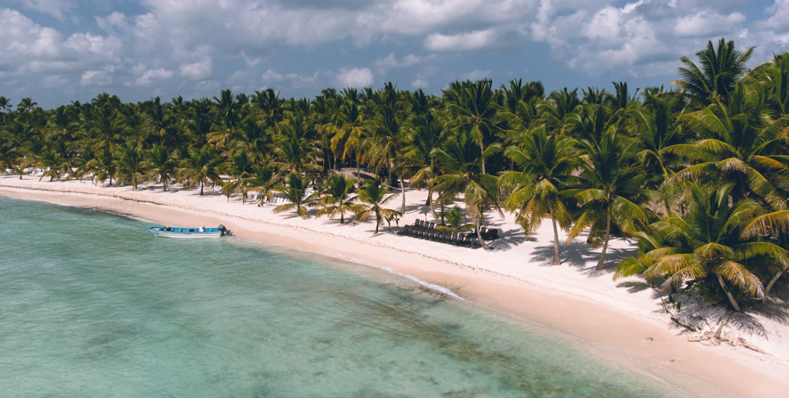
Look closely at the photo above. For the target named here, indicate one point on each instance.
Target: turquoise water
(92, 305)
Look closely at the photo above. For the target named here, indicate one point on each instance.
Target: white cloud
(96, 78)
(54, 81)
(779, 16)
(419, 83)
(477, 75)
(355, 77)
(55, 8)
(706, 24)
(461, 42)
(391, 62)
(271, 76)
(153, 74)
(198, 70)
(298, 81)
(207, 86)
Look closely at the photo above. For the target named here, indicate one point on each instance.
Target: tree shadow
(578, 254)
(634, 286)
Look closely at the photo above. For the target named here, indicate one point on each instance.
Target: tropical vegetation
(699, 175)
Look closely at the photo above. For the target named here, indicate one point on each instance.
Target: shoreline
(584, 316)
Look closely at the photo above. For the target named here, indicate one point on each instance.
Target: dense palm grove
(698, 175)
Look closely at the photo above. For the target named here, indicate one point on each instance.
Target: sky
(59, 51)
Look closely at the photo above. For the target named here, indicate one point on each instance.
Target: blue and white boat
(190, 233)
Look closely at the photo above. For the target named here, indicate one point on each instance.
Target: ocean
(92, 305)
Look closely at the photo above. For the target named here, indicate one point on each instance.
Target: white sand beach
(751, 357)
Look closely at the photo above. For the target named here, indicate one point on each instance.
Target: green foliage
(653, 164)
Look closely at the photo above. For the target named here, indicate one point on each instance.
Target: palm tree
(336, 197)
(711, 247)
(428, 133)
(350, 133)
(655, 126)
(296, 194)
(775, 227)
(202, 168)
(131, 165)
(454, 221)
(718, 75)
(26, 105)
(472, 106)
(295, 148)
(5, 106)
(385, 143)
(545, 171)
(462, 174)
(264, 180)
(160, 165)
(738, 144)
(102, 166)
(611, 184)
(372, 198)
(54, 160)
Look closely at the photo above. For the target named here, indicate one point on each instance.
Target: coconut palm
(712, 248)
(295, 148)
(472, 106)
(350, 133)
(738, 144)
(54, 160)
(296, 194)
(454, 221)
(26, 105)
(336, 197)
(462, 174)
(428, 133)
(5, 106)
(102, 166)
(612, 190)
(160, 166)
(545, 164)
(718, 75)
(130, 164)
(775, 227)
(202, 168)
(264, 180)
(372, 197)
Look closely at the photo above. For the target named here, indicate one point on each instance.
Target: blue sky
(58, 51)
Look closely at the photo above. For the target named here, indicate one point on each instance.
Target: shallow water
(92, 305)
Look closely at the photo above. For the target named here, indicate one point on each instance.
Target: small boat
(190, 233)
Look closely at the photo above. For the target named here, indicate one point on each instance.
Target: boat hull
(186, 233)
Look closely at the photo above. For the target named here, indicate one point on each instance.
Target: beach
(515, 280)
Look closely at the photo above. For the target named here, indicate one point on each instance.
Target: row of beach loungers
(424, 230)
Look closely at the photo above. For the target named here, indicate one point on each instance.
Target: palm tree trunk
(402, 192)
(601, 264)
(556, 260)
(481, 151)
(201, 187)
(731, 297)
(770, 285)
(479, 233)
(668, 207)
(377, 222)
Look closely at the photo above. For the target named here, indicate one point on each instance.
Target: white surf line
(428, 285)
